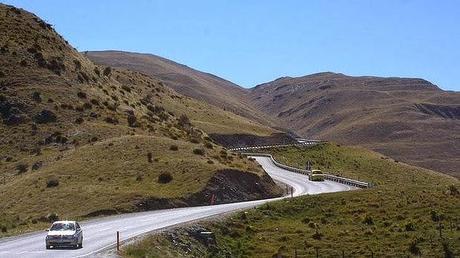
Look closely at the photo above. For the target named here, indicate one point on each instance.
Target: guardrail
(309, 143)
(342, 180)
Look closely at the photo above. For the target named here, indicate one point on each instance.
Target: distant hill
(409, 119)
(185, 80)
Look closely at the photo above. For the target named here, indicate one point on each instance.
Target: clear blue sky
(250, 42)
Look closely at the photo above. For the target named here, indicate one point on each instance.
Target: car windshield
(62, 226)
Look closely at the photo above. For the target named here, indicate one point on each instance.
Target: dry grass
(105, 121)
(394, 219)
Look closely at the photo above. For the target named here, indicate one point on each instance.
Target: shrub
(81, 95)
(96, 71)
(208, 145)
(4, 229)
(37, 165)
(413, 248)
(36, 96)
(87, 106)
(448, 253)
(45, 116)
(198, 152)
(165, 178)
(132, 120)
(79, 120)
(210, 162)
(409, 226)
(22, 167)
(184, 121)
(317, 235)
(454, 190)
(52, 182)
(77, 64)
(126, 88)
(56, 65)
(194, 140)
(52, 217)
(94, 102)
(306, 220)
(173, 147)
(111, 120)
(368, 220)
(107, 71)
(149, 157)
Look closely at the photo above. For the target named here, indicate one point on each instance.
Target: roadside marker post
(118, 241)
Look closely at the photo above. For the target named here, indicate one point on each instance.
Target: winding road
(100, 234)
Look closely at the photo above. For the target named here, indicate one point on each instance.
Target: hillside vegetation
(401, 216)
(408, 119)
(79, 139)
(185, 80)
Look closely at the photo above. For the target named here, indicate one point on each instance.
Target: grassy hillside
(400, 217)
(408, 119)
(75, 137)
(185, 80)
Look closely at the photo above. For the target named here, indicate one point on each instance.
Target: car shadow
(65, 248)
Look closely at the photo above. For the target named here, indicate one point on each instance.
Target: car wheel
(80, 245)
(48, 247)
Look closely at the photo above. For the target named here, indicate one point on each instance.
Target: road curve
(100, 234)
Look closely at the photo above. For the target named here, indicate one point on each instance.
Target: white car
(64, 233)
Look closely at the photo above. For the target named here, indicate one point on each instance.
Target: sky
(250, 42)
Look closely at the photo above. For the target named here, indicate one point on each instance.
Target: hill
(185, 80)
(80, 139)
(402, 216)
(407, 119)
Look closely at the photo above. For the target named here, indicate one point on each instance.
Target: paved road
(100, 234)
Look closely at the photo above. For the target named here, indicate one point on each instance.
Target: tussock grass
(400, 217)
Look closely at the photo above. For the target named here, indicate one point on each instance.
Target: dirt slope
(408, 119)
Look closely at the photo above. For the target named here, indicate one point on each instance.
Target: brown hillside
(408, 119)
(185, 80)
(72, 132)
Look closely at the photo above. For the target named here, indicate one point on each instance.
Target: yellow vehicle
(316, 175)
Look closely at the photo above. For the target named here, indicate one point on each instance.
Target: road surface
(100, 234)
